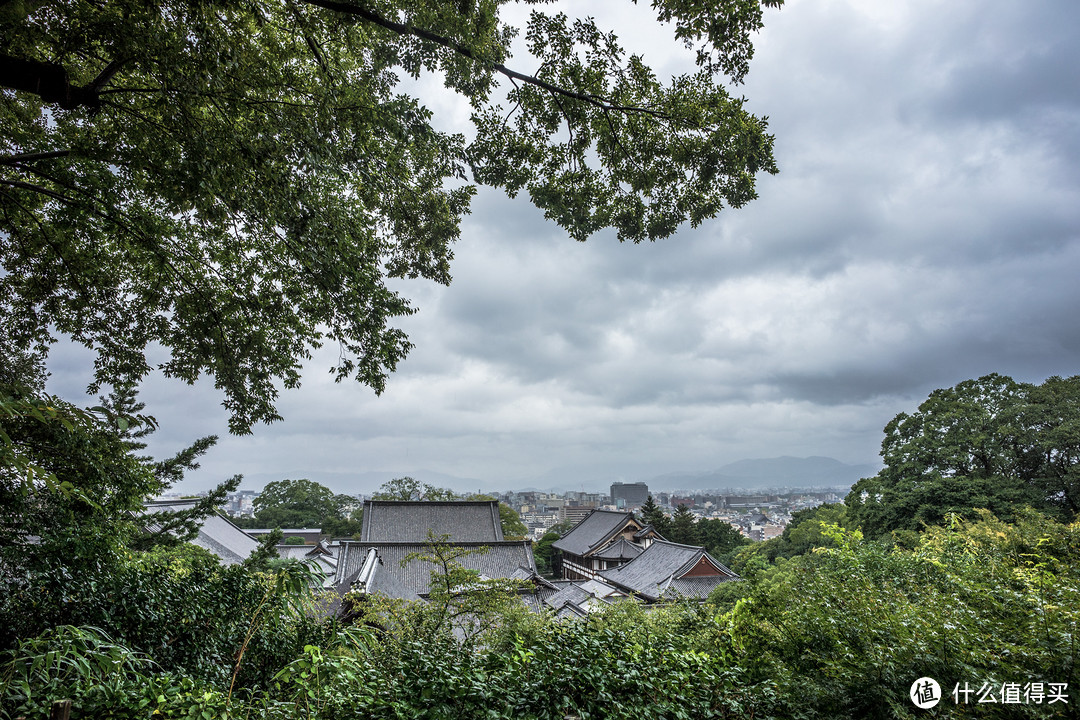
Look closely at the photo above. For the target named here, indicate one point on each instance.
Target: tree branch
(36, 188)
(33, 157)
(402, 29)
(51, 83)
(47, 80)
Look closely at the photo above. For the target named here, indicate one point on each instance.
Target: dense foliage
(304, 503)
(989, 443)
(844, 631)
(837, 633)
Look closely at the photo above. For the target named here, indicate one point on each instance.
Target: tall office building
(630, 493)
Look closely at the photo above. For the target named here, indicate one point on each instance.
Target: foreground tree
(235, 182)
(845, 629)
(71, 508)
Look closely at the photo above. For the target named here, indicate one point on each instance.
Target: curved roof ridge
(682, 545)
(430, 502)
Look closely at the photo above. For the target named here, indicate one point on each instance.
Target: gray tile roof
(570, 610)
(654, 572)
(620, 550)
(572, 594)
(583, 595)
(645, 531)
(594, 530)
(383, 579)
(536, 600)
(501, 560)
(410, 522)
(295, 552)
(600, 589)
(216, 534)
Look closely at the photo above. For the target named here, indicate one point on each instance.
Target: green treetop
(236, 181)
(684, 527)
(411, 489)
(653, 514)
(989, 443)
(295, 504)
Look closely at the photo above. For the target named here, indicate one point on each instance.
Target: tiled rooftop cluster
(608, 556)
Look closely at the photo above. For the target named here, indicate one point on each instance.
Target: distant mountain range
(767, 473)
(755, 474)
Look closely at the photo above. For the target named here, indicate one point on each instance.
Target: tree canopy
(408, 488)
(235, 182)
(991, 443)
(305, 503)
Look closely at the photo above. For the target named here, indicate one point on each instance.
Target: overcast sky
(924, 229)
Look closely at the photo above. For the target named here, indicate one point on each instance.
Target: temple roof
(660, 571)
(620, 550)
(410, 522)
(216, 534)
(593, 532)
(501, 560)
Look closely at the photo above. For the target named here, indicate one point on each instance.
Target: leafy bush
(844, 631)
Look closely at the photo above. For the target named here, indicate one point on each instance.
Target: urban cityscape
(758, 516)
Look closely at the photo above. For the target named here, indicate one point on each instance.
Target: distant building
(630, 493)
(574, 514)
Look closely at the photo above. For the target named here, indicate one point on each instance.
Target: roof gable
(411, 522)
(652, 573)
(703, 566)
(619, 550)
(595, 531)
